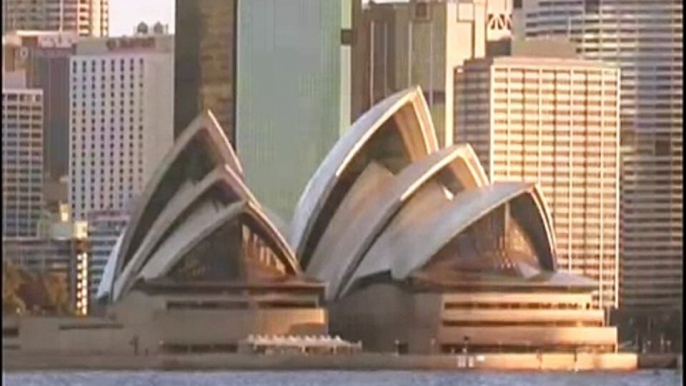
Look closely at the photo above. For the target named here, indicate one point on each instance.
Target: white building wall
(120, 119)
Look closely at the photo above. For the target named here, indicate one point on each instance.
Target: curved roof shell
(385, 200)
(398, 127)
(354, 228)
(360, 215)
(194, 187)
(195, 153)
(162, 263)
(407, 245)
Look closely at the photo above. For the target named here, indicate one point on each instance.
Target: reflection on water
(336, 378)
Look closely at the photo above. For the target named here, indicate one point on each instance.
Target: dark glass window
(592, 6)
(421, 11)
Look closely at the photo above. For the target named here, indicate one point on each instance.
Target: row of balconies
(561, 143)
(545, 163)
(590, 260)
(632, 255)
(561, 124)
(586, 263)
(547, 119)
(576, 167)
(554, 88)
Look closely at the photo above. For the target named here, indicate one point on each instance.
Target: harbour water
(341, 378)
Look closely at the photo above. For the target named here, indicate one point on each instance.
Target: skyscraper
(276, 76)
(645, 39)
(22, 159)
(121, 124)
(553, 121)
(398, 45)
(83, 17)
(293, 92)
(205, 62)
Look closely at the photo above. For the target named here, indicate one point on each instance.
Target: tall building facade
(120, 118)
(84, 17)
(293, 92)
(22, 160)
(555, 122)
(104, 228)
(645, 39)
(399, 45)
(229, 58)
(205, 62)
(44, 57)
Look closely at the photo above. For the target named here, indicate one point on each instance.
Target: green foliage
(40, 293)
(12, 280)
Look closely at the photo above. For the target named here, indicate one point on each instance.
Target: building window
(662, 147)
(347, 37)
(421, 11)
(592, 6)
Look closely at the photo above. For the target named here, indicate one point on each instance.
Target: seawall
(24, 361)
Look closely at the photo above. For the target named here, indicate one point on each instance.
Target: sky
(126, 14)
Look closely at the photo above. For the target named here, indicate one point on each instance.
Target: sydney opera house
(420, 252)
(395, 243)
(202, 265)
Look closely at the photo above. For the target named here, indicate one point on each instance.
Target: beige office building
(553, 121)
(645, 39)
(85, 17)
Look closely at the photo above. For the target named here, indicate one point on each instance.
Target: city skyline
(493, 176)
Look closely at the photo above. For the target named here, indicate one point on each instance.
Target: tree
(12, 280)
(36, 292)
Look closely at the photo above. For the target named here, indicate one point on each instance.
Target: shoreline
(615, 362)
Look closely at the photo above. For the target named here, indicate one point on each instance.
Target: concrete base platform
(18, 361)
(659, 361)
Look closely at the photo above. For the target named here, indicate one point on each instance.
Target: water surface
(340, 378)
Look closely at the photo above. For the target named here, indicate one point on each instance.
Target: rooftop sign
(125, 44)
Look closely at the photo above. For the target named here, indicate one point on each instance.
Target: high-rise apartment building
(120, 118)
(205, 62)
(104, 228)
(22, 160)
(555, 122)
(645, 39)
(84, 17)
